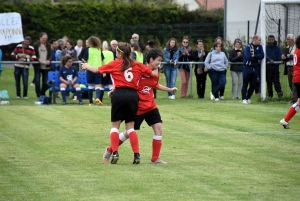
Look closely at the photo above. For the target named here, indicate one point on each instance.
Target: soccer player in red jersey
(147, 109)
(125, 74)
(296, 80)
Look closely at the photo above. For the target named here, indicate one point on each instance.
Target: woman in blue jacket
(171, 58)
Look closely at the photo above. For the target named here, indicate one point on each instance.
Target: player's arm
(86, 66)
(164, 88)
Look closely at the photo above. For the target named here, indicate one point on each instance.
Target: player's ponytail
(125, 50)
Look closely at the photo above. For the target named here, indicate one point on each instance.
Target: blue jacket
(167, 57)
(258, 53)
(273, 53)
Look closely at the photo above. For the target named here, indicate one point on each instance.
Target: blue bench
(54, 82)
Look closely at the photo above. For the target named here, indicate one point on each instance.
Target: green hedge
(81, 20)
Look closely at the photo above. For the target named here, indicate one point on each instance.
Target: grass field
(215, 151)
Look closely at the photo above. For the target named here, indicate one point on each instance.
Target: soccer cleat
(244, 101)
(136, 159)
(98, 101)
(284, 124)
(158, 161)
(212, 97)
(115, 158)
(91, 104)
(106, 155)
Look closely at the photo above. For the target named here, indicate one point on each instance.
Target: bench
(54, 82)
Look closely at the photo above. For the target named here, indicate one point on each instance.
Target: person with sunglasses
(185, 53)
(216, 63)
(126, 74)
(200, 56)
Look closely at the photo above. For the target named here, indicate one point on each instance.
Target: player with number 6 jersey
(125, 74)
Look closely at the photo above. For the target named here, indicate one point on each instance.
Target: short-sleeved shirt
(296, 77)
(68, 73)
(128, 78)
(146, 96)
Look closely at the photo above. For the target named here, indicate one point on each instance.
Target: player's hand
(84, 66)
(174, 89)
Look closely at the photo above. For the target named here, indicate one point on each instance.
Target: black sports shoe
(136, 159)
(115, 158)
(284, 124)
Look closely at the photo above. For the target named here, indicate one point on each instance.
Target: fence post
(218, 23)
(164, 33)
(248, 32)
(191, 31)
(191, 82)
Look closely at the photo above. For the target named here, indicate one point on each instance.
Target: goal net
(278, 18)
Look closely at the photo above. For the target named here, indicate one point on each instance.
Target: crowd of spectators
(215, 64)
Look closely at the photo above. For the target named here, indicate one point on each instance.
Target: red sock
(292, 111)
(121, 137)
(114, 139)
(156, 147)
(134, 140)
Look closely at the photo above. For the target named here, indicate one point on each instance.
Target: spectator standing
(236, 70)
(81, 55)
(125, 97)
(171, 58)
(79, 46)
(113, 47)
(61, 44)
(296, 80)
(137, 55)
(53, 44)
(43, 55)
(289, 68)
(94, 57)
(273, 54)
(200, 56)
(185, 55)
(135, 36)
(223, 49)
(23, 52)
(253, 53)
(216, 63)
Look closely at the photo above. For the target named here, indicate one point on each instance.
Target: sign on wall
(10, 28)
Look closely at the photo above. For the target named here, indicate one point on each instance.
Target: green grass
(215, 151)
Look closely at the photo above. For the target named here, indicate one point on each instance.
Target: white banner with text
(10, 28)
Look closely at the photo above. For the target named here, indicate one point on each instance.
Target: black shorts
(124, 105)
(297, 85)
(152, 117)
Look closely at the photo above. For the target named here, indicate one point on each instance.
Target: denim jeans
(38, 74)
(24, 72)
(218, 81)
(171, 76)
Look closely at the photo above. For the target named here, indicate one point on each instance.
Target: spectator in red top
(147, 109)
(24, 53)
(126, 74)
(296, 80)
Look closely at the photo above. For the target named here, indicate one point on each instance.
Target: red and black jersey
(146, 96)
(296, 77)
(128, 78)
